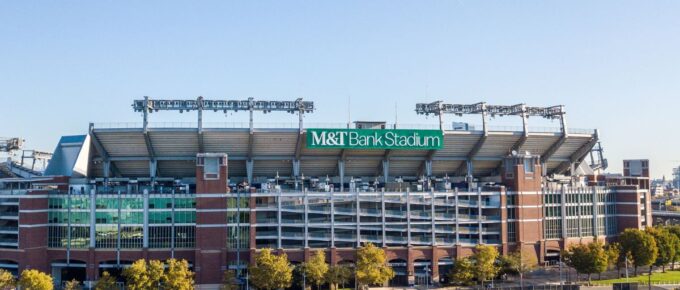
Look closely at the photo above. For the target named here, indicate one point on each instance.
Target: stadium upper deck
(276, 150)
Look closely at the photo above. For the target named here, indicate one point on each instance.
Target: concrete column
(278, 220)
(432, 218)
(93, 218)
(341, 171)
(408, 217)
(595, 213)
(306, 202)
(479, 214)
(382, 204)
(457, 218)
(249, 171)
(332, 221)
(386, 170)
(296, 167)
(358, 217)
(563, 196)
(145, 230)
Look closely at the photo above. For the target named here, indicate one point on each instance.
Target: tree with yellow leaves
(372, 268)
(178, 276)
(35, 280)
(6, 280)
(143, 276)
(316, 268)
(105, 282)
(271, 271)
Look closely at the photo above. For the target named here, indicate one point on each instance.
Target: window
(528, 165)
(211, 168)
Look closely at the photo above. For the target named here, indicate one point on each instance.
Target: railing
(295, 125)
(9, 229)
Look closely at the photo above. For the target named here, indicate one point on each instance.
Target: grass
(669, 276)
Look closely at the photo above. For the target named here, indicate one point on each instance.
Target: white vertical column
(408, 217)
(457, 218)
(93, 218)
(563, 208)
(432, 218)
(332, 221)
(479, 214)
(382, 205)
(596, 223)
(278, 220)
(358, 219)
(145, 229)
(306, 203)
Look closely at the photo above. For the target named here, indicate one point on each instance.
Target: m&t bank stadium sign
(375, 139)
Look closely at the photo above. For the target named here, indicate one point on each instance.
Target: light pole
(427, 277)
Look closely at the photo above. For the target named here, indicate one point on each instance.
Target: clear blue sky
(614, 64)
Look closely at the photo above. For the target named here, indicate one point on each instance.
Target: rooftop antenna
(396, 115)
(349, 111)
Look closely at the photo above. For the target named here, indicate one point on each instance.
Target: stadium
(215, 195)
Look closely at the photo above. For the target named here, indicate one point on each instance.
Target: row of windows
(77, 202)
(126, 217)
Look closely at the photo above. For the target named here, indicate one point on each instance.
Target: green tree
(229, 281)
(338, 275)
(462, 272)
(675, 230)
(35, 280)
(598, 257)
(640, 245)
(72, 285)
(613, 251)
(7, 280)
(142, 275)
(316, 268)
(271, 271)
(520, 262)
(484, 259)
(666, 243)
(178, 276)
(578, 257)
(372, 268)
(106, 282)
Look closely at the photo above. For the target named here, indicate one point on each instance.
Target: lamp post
(427, 277)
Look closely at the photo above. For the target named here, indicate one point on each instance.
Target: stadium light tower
(439, 108)
(148, 105)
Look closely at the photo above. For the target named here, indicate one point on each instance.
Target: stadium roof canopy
(129, 148)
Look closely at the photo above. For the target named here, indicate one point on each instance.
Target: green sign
(400, 139)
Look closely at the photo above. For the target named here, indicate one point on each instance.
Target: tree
(666, 243)
(35, 280)
(598, 257)
(578, 257)
(372, 268)
(338, 275)
(229, 281)
(142, 275)
(675, 230)
(485, 262)
(72, 285)
(613, 252)
(316, 268)
(270, 271)
(106, 282)
(520, 262)
(640, 245)
(462, 272)
(7, 280)
(178, 275)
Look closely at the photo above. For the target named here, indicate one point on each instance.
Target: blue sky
(614, 64)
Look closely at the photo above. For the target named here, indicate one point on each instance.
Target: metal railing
(329, 125)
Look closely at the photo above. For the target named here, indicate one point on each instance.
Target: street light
(427, 277)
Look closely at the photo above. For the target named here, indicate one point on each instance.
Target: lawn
(669, 276)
